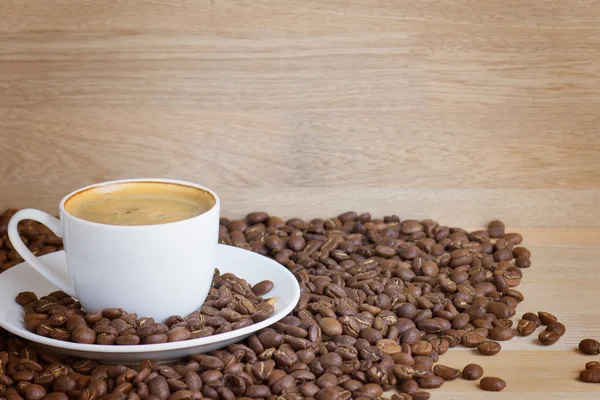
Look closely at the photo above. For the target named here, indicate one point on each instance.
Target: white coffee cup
(152, 270)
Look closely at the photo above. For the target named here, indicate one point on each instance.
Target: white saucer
(245, 264)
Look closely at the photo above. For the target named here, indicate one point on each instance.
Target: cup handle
(54, 225)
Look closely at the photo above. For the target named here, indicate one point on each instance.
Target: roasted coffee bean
(64, 383)
(472, 372)
(34, 392)
(408, 386)
(83, 334)
(489, 348)
(263, 287)
(159, 387)
(401, 396)
(257, 391)
(590, 376)
(501, 332)
(546, 318)
(57, 396)
(446, 373)
(492, 384)
(592, 365)
(330, 326)
(496, 229)
(472, 339)
(556, 327)
(431, 382)
(529, 316)
(590, 347)
(25, 298)
(547, 338)
(525, 327)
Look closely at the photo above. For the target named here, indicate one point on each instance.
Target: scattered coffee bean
(546, 317)
(446, 373)
(592, 365)
(502, 332)
(526, 327)
(420, 395)
(492, 384)
(472, 372)
(431, 382)
(556, 327)
(548, 338)
(590, 347)
(496, 229)
(489, 348)
(529, 316)
(590, 376)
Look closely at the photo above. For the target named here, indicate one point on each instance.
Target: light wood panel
(461, 110)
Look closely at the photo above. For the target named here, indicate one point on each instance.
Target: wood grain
(461, 110)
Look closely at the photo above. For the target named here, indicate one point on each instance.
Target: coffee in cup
(139, 203)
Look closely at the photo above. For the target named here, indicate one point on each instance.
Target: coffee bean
(446, 373)
(547, 338)
(592, 365)
(128, 340)
(330, 326)
(56, 396)
(472, 372)
(430, 382)
(590, 376)
(326, 380)
(525, 327)
(420, 395)
(521, 252)
(489, 348)
(83, 334)
(372, 390)
(472, 339)
(25, 298)
(501, 333)
(546, 318)
(529, 316)
(64, 383)
(34, 392)
(401, 396)
(257, 391)
(496, 229)
(556, 327)
(589, 347)
(492, 384)
(262, 288)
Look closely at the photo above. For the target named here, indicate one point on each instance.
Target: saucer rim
(159, 347)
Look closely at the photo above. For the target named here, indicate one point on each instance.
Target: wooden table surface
(462, 111)
(564, 279)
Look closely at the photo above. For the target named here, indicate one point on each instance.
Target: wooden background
(460, 110)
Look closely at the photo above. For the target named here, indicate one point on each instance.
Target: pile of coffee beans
(381, 301)
(231, 304)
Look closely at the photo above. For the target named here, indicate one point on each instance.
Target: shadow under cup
(155, 270)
